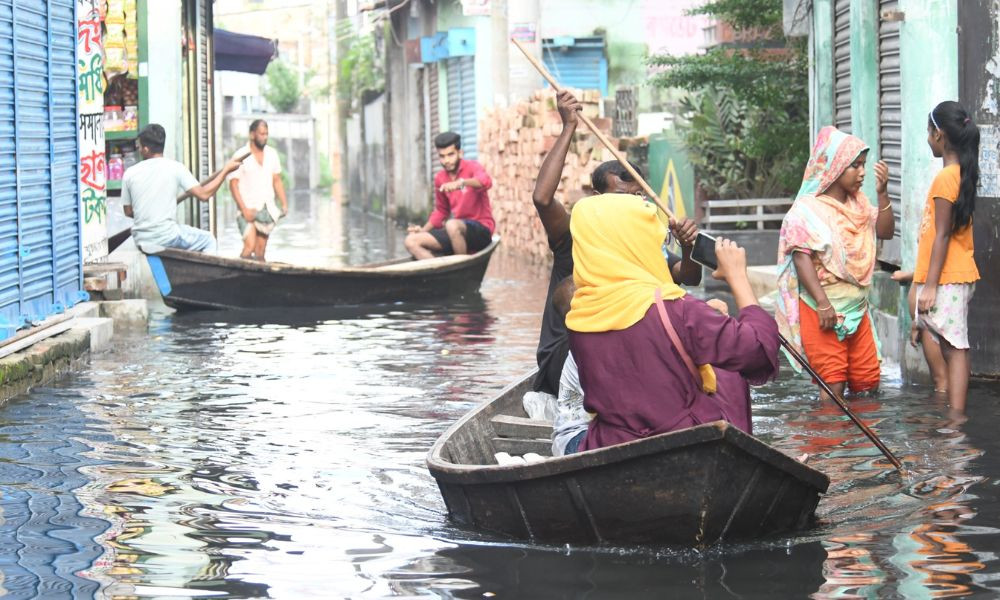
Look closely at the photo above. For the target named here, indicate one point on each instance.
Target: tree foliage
(360, 71)
(746, 113)
(282, 90)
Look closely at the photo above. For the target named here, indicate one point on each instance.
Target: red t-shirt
(468, 203)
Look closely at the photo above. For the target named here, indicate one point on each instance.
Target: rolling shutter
(40, 253)
(462, 102)
(890, 117)
(577, 62)
(842, 65)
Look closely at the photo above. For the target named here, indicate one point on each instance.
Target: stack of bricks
(512, 143)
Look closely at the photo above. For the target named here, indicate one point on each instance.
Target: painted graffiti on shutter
(90, 112)
(40, 208)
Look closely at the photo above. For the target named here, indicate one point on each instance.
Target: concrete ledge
(100, 330)
(127, 313)
(86, 310)
(763, 280)
(42, 362)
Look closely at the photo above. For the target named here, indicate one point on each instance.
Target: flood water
(280, 454)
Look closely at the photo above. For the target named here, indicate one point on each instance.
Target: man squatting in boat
(149, 196)
(462, 220)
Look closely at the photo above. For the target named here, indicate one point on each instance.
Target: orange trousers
(853, 360)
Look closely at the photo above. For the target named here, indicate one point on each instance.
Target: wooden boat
(692, 487)
(193, 280)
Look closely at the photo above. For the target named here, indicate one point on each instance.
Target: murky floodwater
(281, 454)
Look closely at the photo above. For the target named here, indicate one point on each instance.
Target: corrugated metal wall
(842, 65)
(40, 254)
(891, 116)
(581, 65)
(462, 118)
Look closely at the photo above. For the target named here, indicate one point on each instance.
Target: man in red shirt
(462, 222)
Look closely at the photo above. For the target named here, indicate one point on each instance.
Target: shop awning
(242, 52)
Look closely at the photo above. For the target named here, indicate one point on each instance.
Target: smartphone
(703, 252)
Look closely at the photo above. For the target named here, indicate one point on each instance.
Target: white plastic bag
(540, 406)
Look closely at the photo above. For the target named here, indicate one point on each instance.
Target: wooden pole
(843, 405)
(597, 132)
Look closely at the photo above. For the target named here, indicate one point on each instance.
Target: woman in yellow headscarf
(644, 347)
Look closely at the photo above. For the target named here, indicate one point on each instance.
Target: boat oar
(119, 238)
(843, 405)
(656, 199)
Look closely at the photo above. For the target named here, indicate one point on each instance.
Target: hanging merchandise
(132, 38)
(115, 58)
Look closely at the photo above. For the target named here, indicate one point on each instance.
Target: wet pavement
(280, 454)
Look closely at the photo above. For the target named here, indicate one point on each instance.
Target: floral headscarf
(840, 236)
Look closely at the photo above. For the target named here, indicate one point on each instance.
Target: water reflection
(252, 454)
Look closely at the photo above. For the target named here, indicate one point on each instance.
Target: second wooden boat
(193, 280)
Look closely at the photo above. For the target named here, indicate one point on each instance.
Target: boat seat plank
(521, 427)
(521, 446)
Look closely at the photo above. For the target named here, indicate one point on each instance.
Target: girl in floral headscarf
(826, 258)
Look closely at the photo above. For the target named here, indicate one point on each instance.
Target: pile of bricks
(512, 143)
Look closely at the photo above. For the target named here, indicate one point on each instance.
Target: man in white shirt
(149, 195)
(254, 186)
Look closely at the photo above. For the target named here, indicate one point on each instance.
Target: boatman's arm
(554, 216)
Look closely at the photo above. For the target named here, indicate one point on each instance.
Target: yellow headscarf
(618, 264)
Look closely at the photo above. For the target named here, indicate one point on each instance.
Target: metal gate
(199, 126)
(41, 270)
(842, 65)
(462, 117)
(577, 62)
(890, 133)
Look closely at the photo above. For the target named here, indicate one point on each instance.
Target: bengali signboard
(90, 132)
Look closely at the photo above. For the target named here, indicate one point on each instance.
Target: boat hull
(192, 280)
(693, 487)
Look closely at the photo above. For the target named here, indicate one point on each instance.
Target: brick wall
(512, 143)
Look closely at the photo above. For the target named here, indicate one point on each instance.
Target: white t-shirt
(256, 180)
(151, 188)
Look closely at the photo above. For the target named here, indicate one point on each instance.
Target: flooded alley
(280, 454)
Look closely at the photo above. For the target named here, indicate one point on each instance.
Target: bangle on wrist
(885, 208)
(822, 308)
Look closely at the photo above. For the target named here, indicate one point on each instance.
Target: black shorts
(477, 237)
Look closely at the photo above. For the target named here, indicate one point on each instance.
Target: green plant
(281, 89)
(326, 179)
(360, 71)
(745, 117)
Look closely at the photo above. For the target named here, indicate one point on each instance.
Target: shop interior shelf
(121, 135)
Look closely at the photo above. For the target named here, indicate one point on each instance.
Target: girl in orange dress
(946, 273)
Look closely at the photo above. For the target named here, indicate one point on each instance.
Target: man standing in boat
(462, 221)
(149, 196)
(255, 187)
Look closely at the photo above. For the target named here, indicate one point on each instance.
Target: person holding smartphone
(607, 177)
(651, 357)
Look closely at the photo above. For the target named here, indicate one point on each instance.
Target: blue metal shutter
(462, 118)
(40, 254)
(577, 62)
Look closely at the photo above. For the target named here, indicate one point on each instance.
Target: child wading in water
(946, 273)
(826, 259)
